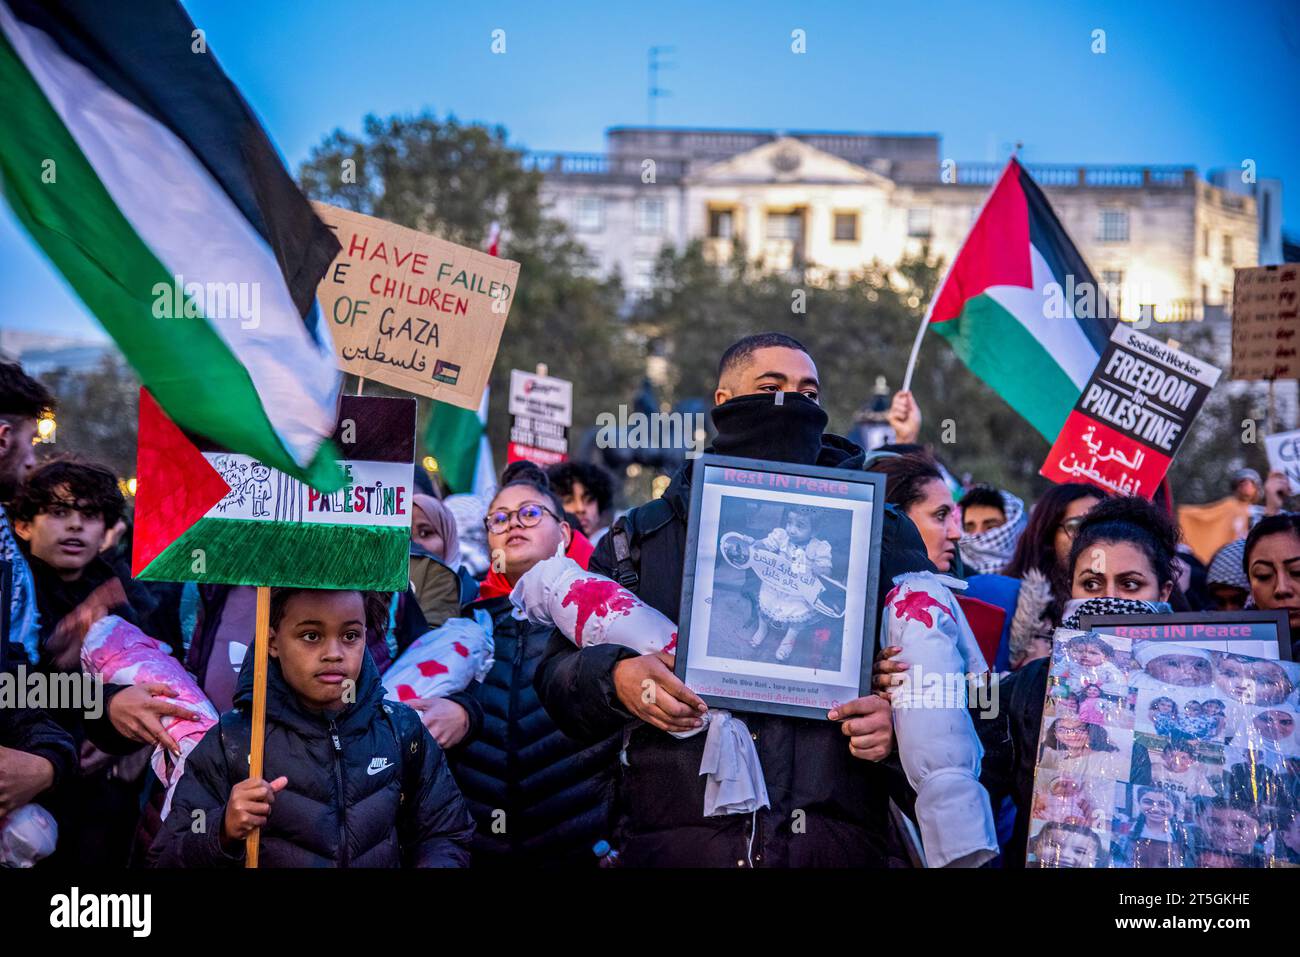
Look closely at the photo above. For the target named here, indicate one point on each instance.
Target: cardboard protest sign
(1284, 455)
(413, 311)
(1266, 322)
(208, 515)
(1161, 754)
(1131, 417)
(542, 409)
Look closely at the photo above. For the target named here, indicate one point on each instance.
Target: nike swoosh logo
(376, 768)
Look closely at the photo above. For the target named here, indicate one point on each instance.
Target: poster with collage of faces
(1158, 754)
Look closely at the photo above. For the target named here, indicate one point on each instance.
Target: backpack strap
(625, 538)
(410, 770)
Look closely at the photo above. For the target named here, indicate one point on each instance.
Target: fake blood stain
(916, 605)
(595, 596)
(431, 668)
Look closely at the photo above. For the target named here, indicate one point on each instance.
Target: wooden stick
(257, 744)
(361, 384)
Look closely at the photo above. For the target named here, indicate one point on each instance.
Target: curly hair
(1134, 521)
(589, 475)
(85, 486)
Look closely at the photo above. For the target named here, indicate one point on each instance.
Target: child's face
(1163, 706)
(1178, 761)
(1291, 836)
(1187, 671)
(798, 526)
(1088, 654)
(63, 536)
(1213, 708)
(1192, 709)
(319, 642)
(1274, 725)
(1231, 830)
(1068, 849)
(1274, 683)
(1235, 678)
(261, 472)
(1071, 733)
(1157, 807)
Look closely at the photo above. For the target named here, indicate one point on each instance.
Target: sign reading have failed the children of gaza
(208, 515)
(412, 311)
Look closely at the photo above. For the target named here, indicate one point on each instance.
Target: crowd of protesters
(557, 757)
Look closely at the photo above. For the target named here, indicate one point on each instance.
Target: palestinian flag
(207, 514)
(457, 438)
(138, 168)
(999, 311)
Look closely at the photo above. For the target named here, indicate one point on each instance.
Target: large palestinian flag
(143, 175)
(1000, 313)
(207, 514)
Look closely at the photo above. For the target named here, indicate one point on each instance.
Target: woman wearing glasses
(539, 798)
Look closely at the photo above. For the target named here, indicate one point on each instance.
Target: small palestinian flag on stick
(1008, 305)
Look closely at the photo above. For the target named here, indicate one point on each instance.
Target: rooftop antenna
(653, 90)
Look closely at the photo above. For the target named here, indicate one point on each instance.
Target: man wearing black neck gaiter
(828, 790)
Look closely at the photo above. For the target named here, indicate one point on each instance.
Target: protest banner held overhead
(208, 515)
(1132, 416)
(541, 409)
(413, 311)
(1266, 322)
(1284, 455)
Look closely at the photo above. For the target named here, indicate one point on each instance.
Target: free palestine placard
(209, 515)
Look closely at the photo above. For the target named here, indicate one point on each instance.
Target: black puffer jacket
(829, 809)
(369, 788)
(539, 797)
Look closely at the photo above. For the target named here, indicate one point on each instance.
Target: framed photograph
(779, 591)
(1260, 634)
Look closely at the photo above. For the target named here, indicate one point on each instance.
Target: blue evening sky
(1200, 83)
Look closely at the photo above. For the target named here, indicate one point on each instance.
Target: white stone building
(831, 203)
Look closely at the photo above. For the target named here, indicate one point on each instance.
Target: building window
(846, 227)
(650, 216)
(591, 214)
(1205, 294)
(1112, 226)
(784, 225)
(918, 221)
(1227, 250)
(1205, 242)
(721, 224)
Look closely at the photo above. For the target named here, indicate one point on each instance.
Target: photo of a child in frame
(779, 573)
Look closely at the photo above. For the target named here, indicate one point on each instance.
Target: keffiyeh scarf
(987, 553)
(1077, 608)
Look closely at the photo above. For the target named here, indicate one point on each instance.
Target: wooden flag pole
(361, 384)
(257, 744)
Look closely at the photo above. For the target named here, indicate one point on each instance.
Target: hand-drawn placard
(413, 311)
(207, 515)
(1266, 322)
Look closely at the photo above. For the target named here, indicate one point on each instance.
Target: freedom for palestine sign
(209, 515)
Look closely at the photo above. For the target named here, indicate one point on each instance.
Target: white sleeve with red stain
(442, 661)
(937, 743)
(590, 609)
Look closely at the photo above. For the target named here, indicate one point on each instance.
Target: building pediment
(785, 160)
